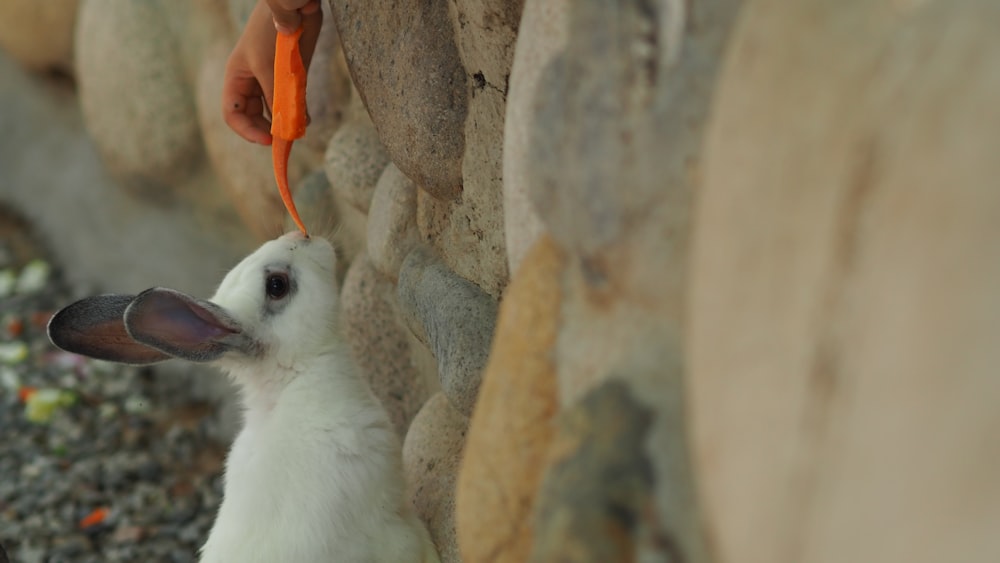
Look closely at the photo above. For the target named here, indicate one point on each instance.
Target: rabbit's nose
(294, 236)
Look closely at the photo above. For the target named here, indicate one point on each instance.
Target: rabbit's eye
(276, 286)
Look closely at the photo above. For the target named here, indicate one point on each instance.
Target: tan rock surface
(511, 427)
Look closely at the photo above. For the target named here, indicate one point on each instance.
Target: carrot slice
(25, 393)
(288, 112)
(95, 517)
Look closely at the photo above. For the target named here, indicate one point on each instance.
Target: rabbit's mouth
(295, 236)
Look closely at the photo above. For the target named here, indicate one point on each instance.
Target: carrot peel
(288, 112)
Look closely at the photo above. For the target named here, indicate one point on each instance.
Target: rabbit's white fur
(315, 473)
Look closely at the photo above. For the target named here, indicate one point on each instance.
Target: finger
(286, 20)
(312, 23)
(255, 106)
(242, 109)
(252, 127)
(259, 114)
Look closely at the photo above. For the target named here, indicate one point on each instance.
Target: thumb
(285, 20)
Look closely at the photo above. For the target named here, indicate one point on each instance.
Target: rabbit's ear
(184, 327)
(95, 327)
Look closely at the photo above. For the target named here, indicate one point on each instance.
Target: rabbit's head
(276, 307)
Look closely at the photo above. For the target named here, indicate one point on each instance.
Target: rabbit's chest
(294, 495)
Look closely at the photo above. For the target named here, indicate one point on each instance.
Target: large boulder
(844, 307)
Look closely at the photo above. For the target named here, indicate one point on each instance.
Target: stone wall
(639, 280)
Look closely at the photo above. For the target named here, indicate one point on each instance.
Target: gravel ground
(98, 462)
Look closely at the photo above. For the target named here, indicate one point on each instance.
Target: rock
(613, 163)
(243, 169)
(453, 317)
(511, 426)
(869, 395)
(431, 455)
(469, 232)
(619, 91)
(392, 228)
(485, 36)
(405, 64)
(354, 161)
(542, 36)
(475, 251)
(39, 36)
(135, 99)
(128, 534)
(378, 341)
(595, 503)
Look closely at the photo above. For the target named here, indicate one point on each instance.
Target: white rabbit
(315, 473)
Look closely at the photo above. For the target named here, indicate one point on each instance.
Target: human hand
(288, 14)
(248, 85)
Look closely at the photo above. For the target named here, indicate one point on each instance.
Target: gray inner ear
(185, 327)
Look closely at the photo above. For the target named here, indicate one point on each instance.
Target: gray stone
(453, 317)
(354, 161)
(392, 221)
(405, 64)
(597, 496)
(379, 343)
(619, 115)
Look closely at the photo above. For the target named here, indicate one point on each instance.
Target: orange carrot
(25, 393)
(15, 327)
(95, 517)
(288, 112)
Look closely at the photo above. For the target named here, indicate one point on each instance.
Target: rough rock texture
(862, 236)
(512, 427)
(473, 226)
(431, 456)
(39, 34)
(453, 317)
(403, 59)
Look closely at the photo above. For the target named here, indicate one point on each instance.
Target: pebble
(78, 434)
(33, 277)
(8, 280)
